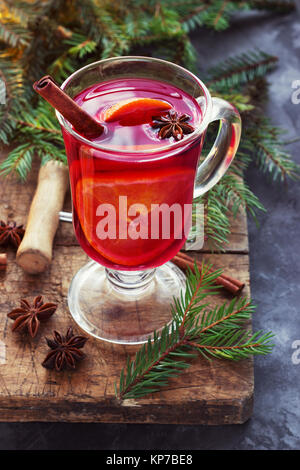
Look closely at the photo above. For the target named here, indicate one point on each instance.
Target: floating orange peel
(134, 110)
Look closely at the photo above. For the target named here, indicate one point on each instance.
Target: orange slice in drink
(134, 110)
(167, 186)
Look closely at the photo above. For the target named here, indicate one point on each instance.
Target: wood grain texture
(215, 392)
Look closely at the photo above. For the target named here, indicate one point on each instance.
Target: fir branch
(235, 345)
(241, 100)
(196, 290)
(216, 221)
(103, 28)
(61, 67)
(267, 149)
(13, 35)
(220, 12)
(19, 12)
(236, 71)
(275, 162)
(213, 14)
(38, 133)
(13, 27)
(19, 161)
(230, 195)
(217, 333)
(37, 127)
(11, 75)
(153, 365)
(194, 18)
(236, 194)
(80, 45)
(217, 14)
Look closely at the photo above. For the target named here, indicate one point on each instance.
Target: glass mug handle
(215, 165)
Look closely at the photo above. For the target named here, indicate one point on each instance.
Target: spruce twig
(238, 70)
(267, 148)
(196, 329)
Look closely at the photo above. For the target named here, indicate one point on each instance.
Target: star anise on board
(65, 350)
(11, 233)
(172, 124)
(29, 316)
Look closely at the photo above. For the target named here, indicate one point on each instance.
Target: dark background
(275, 275)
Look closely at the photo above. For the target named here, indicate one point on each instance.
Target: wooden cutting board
(214, 393)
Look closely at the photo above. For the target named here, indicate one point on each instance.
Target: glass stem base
(124, 307)
(130, 282)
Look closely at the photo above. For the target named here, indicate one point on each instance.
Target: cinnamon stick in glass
(82, 122)
(232, 285)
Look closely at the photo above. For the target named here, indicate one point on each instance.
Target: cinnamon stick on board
(82, 122)
(232, 285)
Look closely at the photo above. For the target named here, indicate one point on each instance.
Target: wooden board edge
(198, 412)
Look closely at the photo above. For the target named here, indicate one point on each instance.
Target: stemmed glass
(124, 293)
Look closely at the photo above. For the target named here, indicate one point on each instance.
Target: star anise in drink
(11, 233)
(65, 351)
(29, 316)
(172, 124)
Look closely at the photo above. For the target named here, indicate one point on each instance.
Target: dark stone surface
(275, 274)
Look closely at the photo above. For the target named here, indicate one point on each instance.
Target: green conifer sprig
(270, 156)
(236, 194)
(80, 45)
(244, 68)
(219, 332)
(38, 133)
(216, 221)
(13, 94)
(13, 30)
(227, 197)
(215, 14)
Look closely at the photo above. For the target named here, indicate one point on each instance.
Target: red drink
(117, 196)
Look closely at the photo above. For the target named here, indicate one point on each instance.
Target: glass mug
(124, 293)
